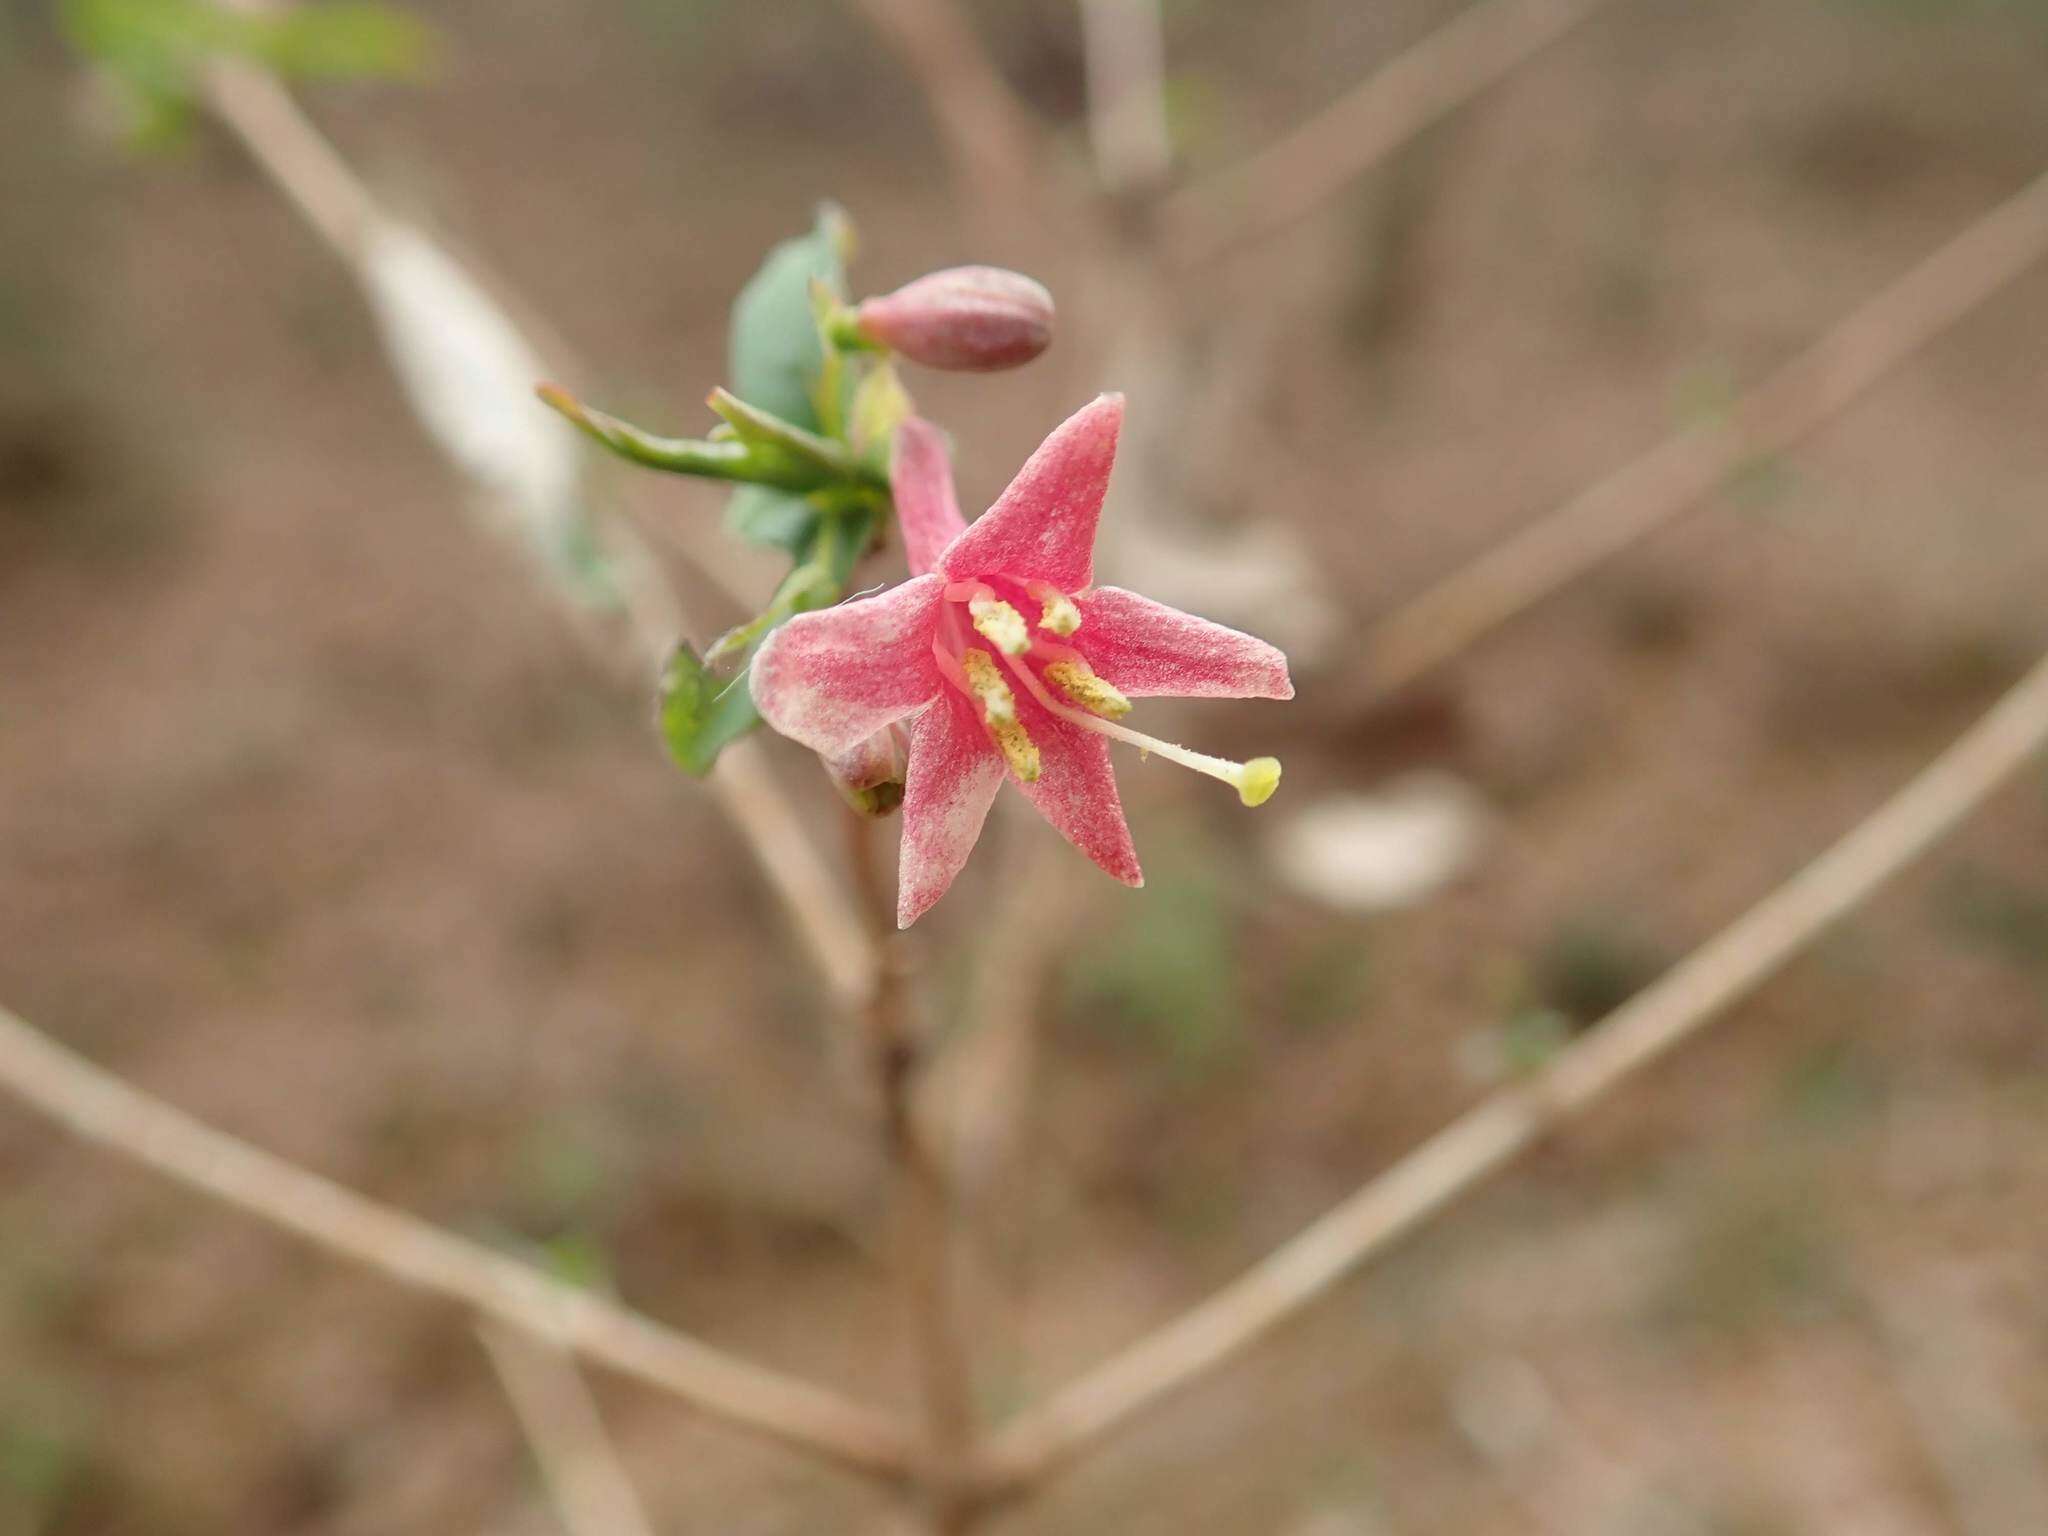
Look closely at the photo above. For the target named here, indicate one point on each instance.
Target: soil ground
(314, 821)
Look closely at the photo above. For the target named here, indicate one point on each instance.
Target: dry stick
(989, 134)
(1270, 190)
(1123, 49)
(100, 1107)
(590, 1489)
(1490, 1136)
(1648, 493)
(306, 168)
(923, 1214)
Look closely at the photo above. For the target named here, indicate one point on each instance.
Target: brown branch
(96, 1105)
(1270, 190)
(1124, 53)
(923, 1215)
(590, 1489)
(1637, 500)
(1489, 1137)
(989, 134)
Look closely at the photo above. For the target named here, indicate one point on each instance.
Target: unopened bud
(870, 777)
(964, 319)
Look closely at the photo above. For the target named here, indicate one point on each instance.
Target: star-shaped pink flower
(1013, 662)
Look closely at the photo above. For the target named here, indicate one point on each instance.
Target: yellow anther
(1257, 780)
(1060, 616)
(1077, 680)
(999, 713)
(1018, 750)
(1000, 624)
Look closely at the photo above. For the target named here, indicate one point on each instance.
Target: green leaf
(776, 357)
(702, 711)
(761, 514)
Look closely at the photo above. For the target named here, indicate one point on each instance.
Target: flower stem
(923, 1215)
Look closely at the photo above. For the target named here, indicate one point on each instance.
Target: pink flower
(1010, 658)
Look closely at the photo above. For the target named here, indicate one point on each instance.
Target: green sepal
(723, 457)
(751, 424)
(880, 405)
(777, 360)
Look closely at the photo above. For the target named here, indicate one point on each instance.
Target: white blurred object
(1502, 1406)
(469, 375)
(1367, 853)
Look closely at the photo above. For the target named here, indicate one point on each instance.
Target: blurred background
(316, 819)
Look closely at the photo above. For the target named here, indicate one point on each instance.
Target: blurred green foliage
(45, 1459)
(151, 49)
(1832, 1086)
(2003, 916)
(1592, 965)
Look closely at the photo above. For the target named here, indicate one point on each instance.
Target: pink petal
(955, 772)
(1076, 791)
(921, 480)
(833, 678)
(1043, 526)
(1148, 649)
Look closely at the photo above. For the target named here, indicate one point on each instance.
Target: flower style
(1012, 661)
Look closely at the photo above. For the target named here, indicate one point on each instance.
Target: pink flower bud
(870, 777)
(964, 319)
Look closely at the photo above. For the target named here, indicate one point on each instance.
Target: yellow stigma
(999, 713)
(1001, 625)
(1060, 616)
(1077, 680)
(1257, 780)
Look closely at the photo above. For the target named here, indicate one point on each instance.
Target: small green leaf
(776, 357)
(702, 711)
(706, 702)
(760, 514)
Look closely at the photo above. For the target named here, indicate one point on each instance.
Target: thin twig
(1124, 49)
(1268, 191)
(1490, 1136)
(989, 134)
(97, 1105)
(1635, 501)
(589, 1487)
(306, 168)
(923, 1216)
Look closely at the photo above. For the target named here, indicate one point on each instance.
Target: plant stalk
(922, 1215)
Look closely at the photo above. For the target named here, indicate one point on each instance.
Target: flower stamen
(999, 713)
(1254, 781)
(1077, 680)
(1000, 625)
(1059, 614)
